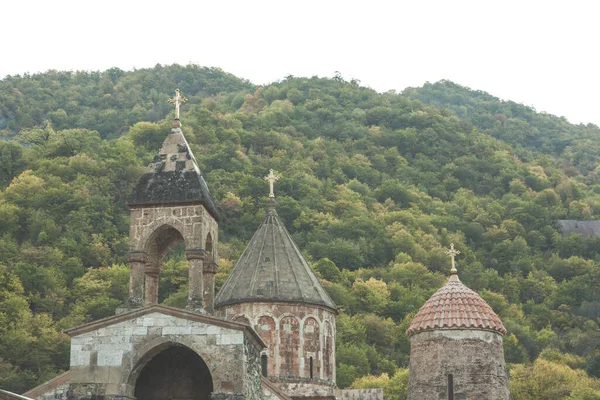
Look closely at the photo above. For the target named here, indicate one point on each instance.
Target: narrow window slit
(263, 365)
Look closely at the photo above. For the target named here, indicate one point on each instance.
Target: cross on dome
(271, 178)
(177, 100)
(452, 253)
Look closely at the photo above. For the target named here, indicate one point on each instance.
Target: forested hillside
(374, 188)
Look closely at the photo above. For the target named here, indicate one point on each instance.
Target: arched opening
(208, 247)
(162, 241)
(311, 368)
(165, 248)
(450, 387)
(264, 365)
(174, 373)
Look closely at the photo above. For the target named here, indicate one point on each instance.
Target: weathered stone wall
(56, 388)
(294, 333)
(154, 231)
(107, 361)
(303, 388)
(360, 394)
(193, 222)
(475, 358)
(252, 361)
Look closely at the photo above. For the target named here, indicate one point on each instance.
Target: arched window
(263, 364)
(311, 367)
(208, 247)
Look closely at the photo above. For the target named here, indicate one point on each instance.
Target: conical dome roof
(173, 177)
(272, 269)
(455, 306)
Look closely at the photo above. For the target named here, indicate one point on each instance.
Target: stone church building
(268, 335)
(270, 331)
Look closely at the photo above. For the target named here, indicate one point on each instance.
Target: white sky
(543, 54)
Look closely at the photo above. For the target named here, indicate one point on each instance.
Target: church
(270, 331)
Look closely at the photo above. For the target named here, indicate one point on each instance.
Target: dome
(272, 269)
(455, 306)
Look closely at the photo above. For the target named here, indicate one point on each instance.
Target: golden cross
(453, 253)
(177, 100)
(271, 178)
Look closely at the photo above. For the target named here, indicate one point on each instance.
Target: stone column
(152, 272)
(209, 271)
(195, 259)
(137, 260)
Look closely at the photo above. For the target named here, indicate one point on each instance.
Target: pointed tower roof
(272, 269)
(455, 306)
(173, 176)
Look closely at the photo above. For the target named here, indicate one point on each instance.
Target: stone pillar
(208, 274)
(195, 259)
(152, 272)
(137, 260)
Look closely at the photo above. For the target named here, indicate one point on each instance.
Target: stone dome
(272, 269)
(455, 306)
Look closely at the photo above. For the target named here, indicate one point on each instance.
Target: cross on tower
(271, 178)
(177, 100)
(452, 253)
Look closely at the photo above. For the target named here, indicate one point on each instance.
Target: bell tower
(171, 204)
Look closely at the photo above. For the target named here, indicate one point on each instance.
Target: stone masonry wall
(294, 333)
(153, 232)
(106, 362)
(360, 394)
(475, 359)
(192, 221)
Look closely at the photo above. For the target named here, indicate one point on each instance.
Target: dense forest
(374, 188)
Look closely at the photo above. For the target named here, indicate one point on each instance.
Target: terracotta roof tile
(455, 306)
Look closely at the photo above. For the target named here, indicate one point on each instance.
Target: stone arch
(311, 341)
(157, 245)
(170, 370)
(266, 327)
(242, 318)
(266, 314)
(162, 239)
(286, 315)
(328, 351)
(289, 344)
(208, 247)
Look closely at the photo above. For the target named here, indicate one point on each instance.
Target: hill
(374, 188)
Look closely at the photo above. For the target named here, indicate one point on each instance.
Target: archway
(164, 239)
(175, 373)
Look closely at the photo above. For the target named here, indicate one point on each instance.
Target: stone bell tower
(171, 204)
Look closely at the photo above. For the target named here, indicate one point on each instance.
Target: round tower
(273, 289)
(456, 346)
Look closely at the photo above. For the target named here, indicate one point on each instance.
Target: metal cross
(177, 100)
(452, 253)
(271, 178)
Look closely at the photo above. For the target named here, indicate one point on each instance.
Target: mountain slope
(374, 187)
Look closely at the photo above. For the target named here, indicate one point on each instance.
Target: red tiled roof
(455, 306)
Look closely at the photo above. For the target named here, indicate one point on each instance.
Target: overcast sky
(543, 54)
